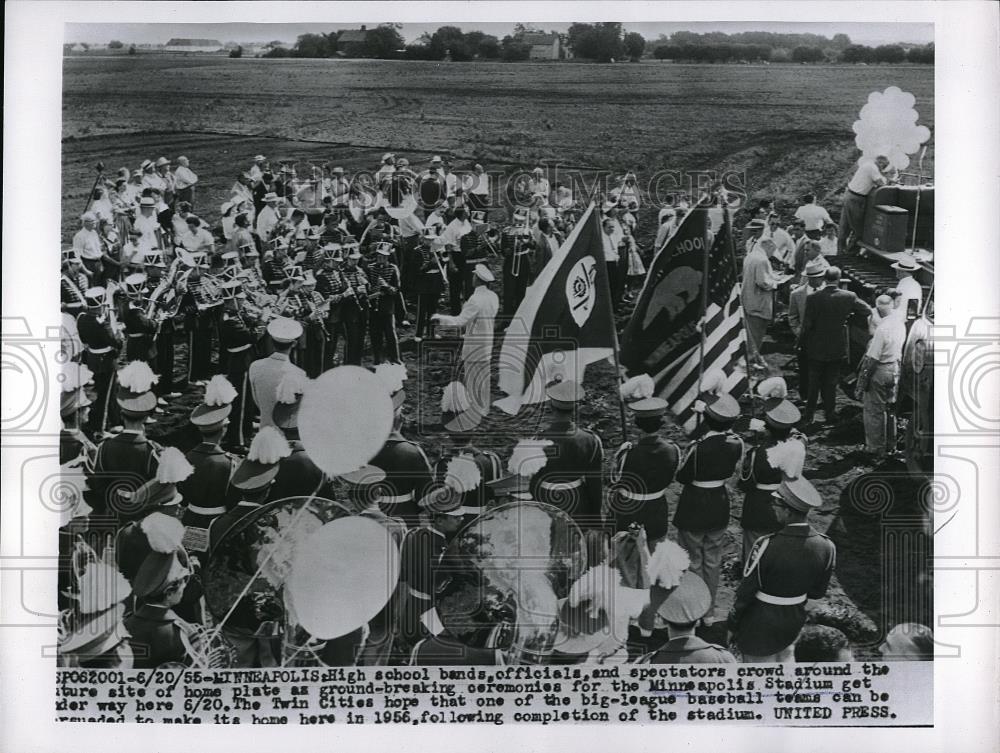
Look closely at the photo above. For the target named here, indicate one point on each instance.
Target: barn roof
(534, 38)
(353, 35)
(194, 43)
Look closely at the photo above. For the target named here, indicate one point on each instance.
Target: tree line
(600, 42)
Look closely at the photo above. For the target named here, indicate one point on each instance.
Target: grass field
(786, 127)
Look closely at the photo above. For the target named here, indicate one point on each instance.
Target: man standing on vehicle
(869, 175)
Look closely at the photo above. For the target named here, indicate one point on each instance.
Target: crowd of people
(299, 264)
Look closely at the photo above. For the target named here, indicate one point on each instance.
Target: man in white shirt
(539, 183)
(610, 238)
(828, 244)
(150, 179)
(868, 176)
(812, 214)
(184, 181)
(451, 183)
(784, 246)
(909, 288)
(754, 231)
(147, 222)
(268, 218)
(198, 238)
(387, 168)
(477, 186)
(258, 169)
(877, 378)
(87, 244)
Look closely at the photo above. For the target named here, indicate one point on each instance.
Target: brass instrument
(160, 308)
(108, 305)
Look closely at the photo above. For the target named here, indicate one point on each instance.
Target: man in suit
(824, 336)
(814, 273)
(783, 570)
(477, 318)
(266, 373)
(571, 478)
(682, 611)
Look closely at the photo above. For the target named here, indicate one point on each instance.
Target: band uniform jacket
(688, 649)
(71, 289)
(206, 489)
(571, 479)
(477, 317)
(237, 340)
(331, 285)
(156, 636)
(712, 460)
(96, 335)
(265, 376)
(490, 469)
(72, 444)
(824, 330)
(443, 650)
(644, 468)
(140, 333)
(792, 565)
(758, 480)
(298, 476)
(408, 475)
(124, 462)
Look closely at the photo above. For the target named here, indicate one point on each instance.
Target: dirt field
(788, 128)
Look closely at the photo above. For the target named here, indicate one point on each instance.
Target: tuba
(295, 582)
(501, 581)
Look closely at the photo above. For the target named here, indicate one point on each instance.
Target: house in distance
(543, 46)
(194, 45)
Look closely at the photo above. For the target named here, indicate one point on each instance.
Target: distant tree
(383, 41)
(131, 49)
(483, 45)
(236, 52)
(857, 53)
(275, 43)
(601, 42)
(84, 45)
(450, 38)
(278, 52)
(889, 53)
(803, 54)
(841, 41)
(114, 44)
(512, 49)
(314, 46)
(634, 44)
(921, 54)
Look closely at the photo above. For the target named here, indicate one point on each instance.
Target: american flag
(725, 338)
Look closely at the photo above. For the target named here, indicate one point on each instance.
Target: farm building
(543, 46)
(351, 42)
(194, 45)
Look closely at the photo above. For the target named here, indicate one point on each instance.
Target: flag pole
(704, 310)
(743, 320)
(614, 335)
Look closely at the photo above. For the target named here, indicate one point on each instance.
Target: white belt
(781, 601)
(643, 497)
(709, 484)
(206, 510)
(139, 334)
(768, 487)
(522, 253)
(561, 486)
(238, 349)
(420, 594)
(432, 271)
(99, 351)
(397, 499)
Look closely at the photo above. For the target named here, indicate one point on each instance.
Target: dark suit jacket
(824, 332)
(688, 649)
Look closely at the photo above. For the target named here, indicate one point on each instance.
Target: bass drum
(250, 569)
(502, 578)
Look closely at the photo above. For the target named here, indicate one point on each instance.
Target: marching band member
(266, 373)
(151, 557)
(466, 470)
(355, 306)
(703, 508)
(140, 330)
(780, 454)
(73, 408)
(295, 303)
(313, 322)
(407, 469)
(385, 280)
(572, 477)
(237, 341)
(517, 273)
(682, 610)
(72, 284)
(199, 319)
(783, 570)
(330, 284)
(206, 491)
(101, 343)
(430, 282)
(128, 454)
(451, 239)
(273, 269)
(298, 475)
(164, 299)
(642, 471)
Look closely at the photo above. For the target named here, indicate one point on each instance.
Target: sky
(861, 33)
